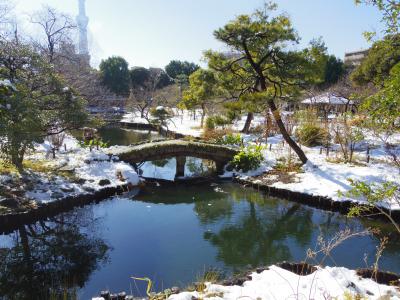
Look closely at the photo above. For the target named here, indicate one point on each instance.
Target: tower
(83, 21)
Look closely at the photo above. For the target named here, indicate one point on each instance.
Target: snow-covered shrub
(310, 135)
(249, 158)
(160, 115)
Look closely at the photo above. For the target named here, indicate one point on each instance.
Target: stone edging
(161, 130)
(316, 201)
(9, 222)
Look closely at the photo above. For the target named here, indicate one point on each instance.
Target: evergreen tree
(115, 74)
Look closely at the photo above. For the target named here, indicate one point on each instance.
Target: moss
(7, 168)
(40, 166)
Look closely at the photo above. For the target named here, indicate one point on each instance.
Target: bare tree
(148, 90)
(56, 31)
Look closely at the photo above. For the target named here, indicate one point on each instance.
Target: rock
(113, 297)
(121, 296)
(261, 269)
(89, 189)
(17, 192)
(167, 292)
(67, 189)
(80, 181)
(175, 290)
(105, 294)
(104, 182)
(67, 169)
(9, 202)
(57, 195)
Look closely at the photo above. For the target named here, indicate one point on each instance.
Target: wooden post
(270, 147)
(368, 155)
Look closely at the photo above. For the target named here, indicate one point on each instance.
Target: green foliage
(203, 87)
(383, 108)
(312, 135)
(262, 66)
(139, 76)
(376, 66)
(35, 104)
(115, 74)
(231, 139)
(334, 70)
(390, 13)
(215, 121)
(160, 163)
(160, 115)
(160, 78)
(373, 193)
(94, 143)
(210, 123)
(249, 158)
(176, 68)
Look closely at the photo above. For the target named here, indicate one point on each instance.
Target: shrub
(230, 139)
(210, 123)
(215, 135)
(249, 158)
(215, 121)
(312, 135)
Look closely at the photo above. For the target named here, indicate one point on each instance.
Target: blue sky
(153, 32)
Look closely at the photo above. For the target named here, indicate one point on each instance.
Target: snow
(277, 283)
(328, 99)
(183, 122)
(7, 83)
(88, 166)
(321, 177)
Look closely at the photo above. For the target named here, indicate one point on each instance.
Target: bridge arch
(178, 149)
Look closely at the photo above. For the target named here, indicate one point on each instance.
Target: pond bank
(297, 278)
(10, 221)
(317, 201)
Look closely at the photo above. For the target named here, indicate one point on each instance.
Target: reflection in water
(51, 259)
(171, 234)
(121, 136)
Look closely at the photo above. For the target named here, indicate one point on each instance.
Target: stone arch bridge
(180, 149)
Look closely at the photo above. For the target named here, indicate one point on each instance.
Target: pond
(173, 234)
(113, 135)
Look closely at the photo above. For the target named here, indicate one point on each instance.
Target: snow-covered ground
(184, 122)
(277, 283)
(320, 176)
(88, 171)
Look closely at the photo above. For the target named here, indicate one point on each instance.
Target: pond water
(173, 234)
(113, 135)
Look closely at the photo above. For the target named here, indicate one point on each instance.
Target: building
(355, 58)
(83, 21)
(328, 103)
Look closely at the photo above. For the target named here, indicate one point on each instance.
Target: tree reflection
(51, 259)
(264, 232)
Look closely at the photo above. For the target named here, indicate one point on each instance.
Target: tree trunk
(16, 160)
(203, 114)
(247, 124)
(285, 134)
